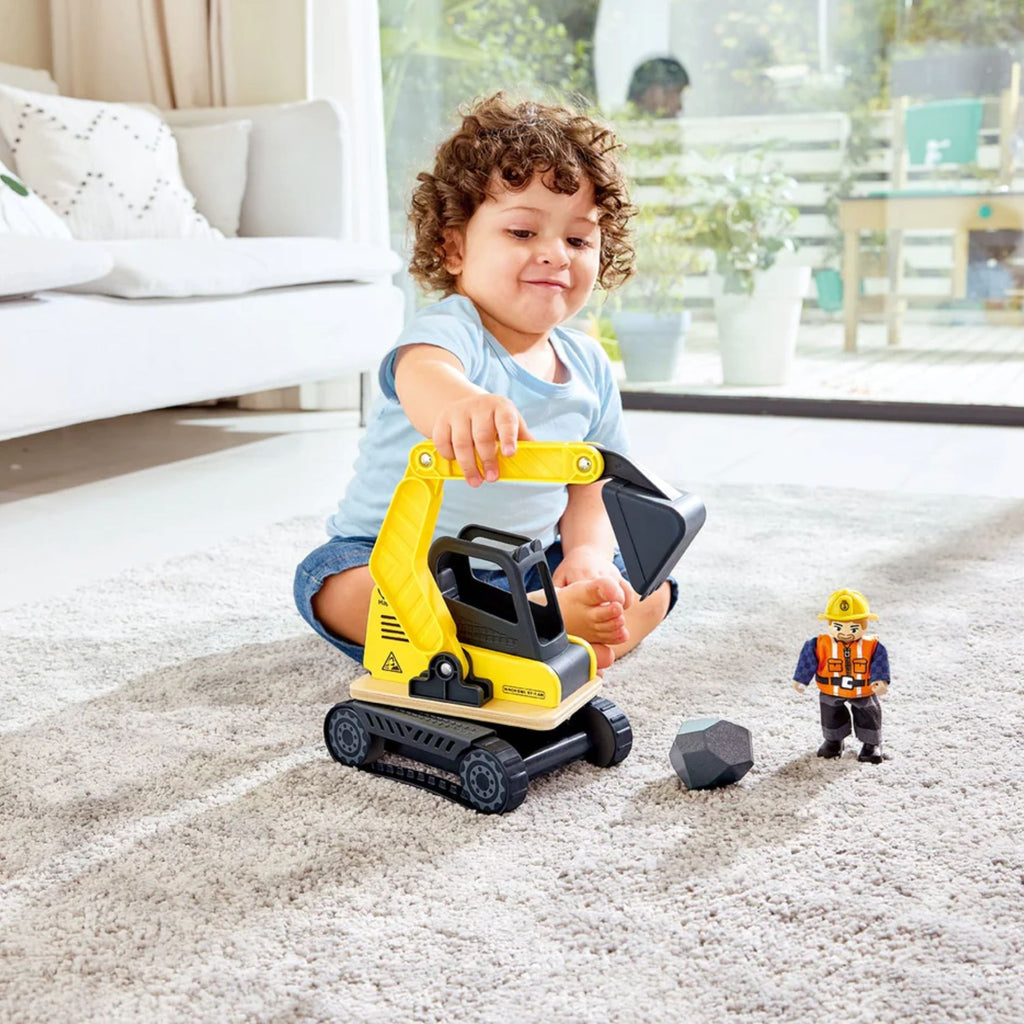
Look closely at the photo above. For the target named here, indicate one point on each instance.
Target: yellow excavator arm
(416, 611)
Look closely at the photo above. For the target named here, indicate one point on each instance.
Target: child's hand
(583, 564)
(474, 428)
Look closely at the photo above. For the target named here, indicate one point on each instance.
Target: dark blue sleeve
(807, 665)
(880, 664)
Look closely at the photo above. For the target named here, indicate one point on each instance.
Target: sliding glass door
(874, 147)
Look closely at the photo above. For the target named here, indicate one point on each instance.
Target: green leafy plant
(741, 211)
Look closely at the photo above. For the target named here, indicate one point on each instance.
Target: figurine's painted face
(846, 631)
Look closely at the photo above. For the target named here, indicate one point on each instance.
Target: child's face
(527, 260)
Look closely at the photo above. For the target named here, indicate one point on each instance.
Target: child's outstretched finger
(485, 440)
(509, 426)
(465, 454)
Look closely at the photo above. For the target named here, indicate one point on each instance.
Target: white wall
(626, 34)
(25, 33)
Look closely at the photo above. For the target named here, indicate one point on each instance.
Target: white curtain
(343, 64)
(171, 53)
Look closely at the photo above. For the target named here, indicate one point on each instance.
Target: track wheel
(611, 737)
(347, 737)
(493, 775)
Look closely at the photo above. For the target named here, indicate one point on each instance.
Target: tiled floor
(968, 363)
(89, 501)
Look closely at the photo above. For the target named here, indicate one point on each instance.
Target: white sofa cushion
(22, 212)
(36, 264)
(190, 267)
(68, 358)
(110, 169)
(213, 160)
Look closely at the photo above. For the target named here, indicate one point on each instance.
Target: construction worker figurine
(852, 672)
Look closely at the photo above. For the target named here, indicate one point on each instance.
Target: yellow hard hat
(846, 606)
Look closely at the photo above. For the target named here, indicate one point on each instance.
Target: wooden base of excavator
(494, 712)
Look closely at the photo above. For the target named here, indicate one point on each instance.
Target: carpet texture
(177, 846)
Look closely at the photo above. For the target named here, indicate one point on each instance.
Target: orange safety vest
(844, 670)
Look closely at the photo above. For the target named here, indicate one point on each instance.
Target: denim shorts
(341, 553)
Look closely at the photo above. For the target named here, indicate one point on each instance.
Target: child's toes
(607, 613)
(611, 632)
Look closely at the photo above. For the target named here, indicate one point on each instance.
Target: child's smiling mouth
(545, 283)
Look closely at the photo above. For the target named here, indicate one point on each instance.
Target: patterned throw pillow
(109, 170)
(22, 212)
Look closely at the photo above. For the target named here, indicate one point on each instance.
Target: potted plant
(647, 311)
(742, 213)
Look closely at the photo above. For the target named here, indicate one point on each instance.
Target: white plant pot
(651, 343)
(757, 332)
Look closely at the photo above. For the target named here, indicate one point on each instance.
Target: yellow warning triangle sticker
(391, 663)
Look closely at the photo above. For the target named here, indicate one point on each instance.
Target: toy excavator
(481, 682)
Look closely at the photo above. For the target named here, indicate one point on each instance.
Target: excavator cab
(484, 682)
(488, 616)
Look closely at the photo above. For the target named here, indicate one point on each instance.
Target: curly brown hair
(515, 141)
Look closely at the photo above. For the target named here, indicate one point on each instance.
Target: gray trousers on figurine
(867, 718)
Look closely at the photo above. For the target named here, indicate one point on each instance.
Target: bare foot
(593, 610)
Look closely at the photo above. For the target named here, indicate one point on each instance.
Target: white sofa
(291, 301)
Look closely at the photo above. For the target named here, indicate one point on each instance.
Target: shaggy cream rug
(176, 844)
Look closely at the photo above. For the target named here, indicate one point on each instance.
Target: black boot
(830, 748)
(869, 752)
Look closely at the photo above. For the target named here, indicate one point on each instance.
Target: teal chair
(942, 133)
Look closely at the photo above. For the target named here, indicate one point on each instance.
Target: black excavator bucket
(653, 522)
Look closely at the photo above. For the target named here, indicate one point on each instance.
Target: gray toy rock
(709, 752)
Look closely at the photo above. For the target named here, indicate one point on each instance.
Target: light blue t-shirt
(586, 407)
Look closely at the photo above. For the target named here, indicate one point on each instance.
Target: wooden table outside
(899, 212)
